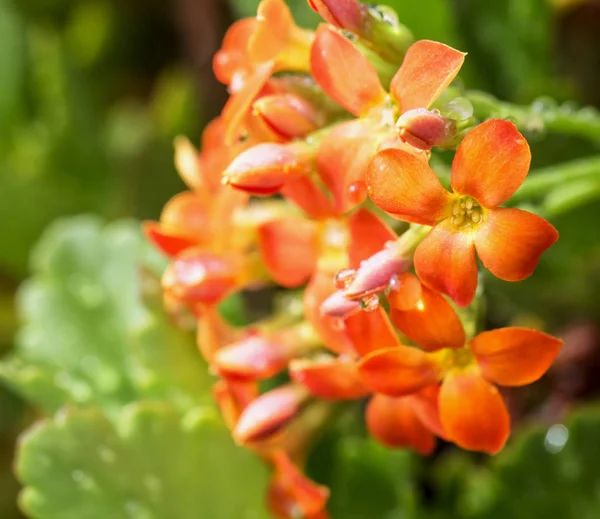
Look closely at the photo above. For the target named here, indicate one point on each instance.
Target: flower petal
(398, 371)
(238, 105)
(491, 163)
(334, 378)
(428, 68)
(368, 235)
(289, 248)
(344, 73)
(371, 331)
(425, 404)
(232, 397)
(330, 329)
(514, 356)
(511, 241)
(167, 242)
(393, 422)
(432, 323)
(343, 159)
(445, 261)
(273, 28)
(405, 291)
(404, 185)
(291, 491)
(473, 412)
(233, 56)
(303, 192)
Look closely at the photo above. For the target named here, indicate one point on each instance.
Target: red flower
(489, 166)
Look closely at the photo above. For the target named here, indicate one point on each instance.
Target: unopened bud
(345, 14)
(264, 168)
(197, 276)
(270, 413)
(338, 306)
(258, 357)
(425, 129)
(373, 275)
(288, 115)
(334, 378)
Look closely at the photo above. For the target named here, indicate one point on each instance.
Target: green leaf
(548, 472)
(152, 462)
(88, 335)
(370, 481)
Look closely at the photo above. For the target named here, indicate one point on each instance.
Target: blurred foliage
(153, 462)
(140, 429)
(91, 94)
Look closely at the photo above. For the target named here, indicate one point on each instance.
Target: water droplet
(357, 192)
(370, 303)
(106, 454)
(556, 438)
(394, 283)
(458, 109)
(385, 14)
(343, 278)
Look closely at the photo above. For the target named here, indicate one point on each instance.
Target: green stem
(541, 182)
(541, 115)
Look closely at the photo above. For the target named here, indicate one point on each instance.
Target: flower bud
(264, 168)
(375, 273)
(270, 413)
(258, 357)
(333, 378)
(345, 14)
(337, 305)
(424, 129)
(197, 276)
(288, 115)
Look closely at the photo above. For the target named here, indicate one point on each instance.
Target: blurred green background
(92, 93)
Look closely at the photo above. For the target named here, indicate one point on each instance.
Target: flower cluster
(385, 252)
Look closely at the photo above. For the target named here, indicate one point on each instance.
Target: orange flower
(472, 412)
(410, 420)
(349, 78)
(253, 50)
(489, 166)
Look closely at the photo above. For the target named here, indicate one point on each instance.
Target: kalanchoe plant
(361, 220)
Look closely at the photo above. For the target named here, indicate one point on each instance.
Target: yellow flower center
(466, 212)
(455, 359)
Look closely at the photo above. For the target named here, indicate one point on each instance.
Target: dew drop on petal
(370, 303)
(357, 192)
(343, 278)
